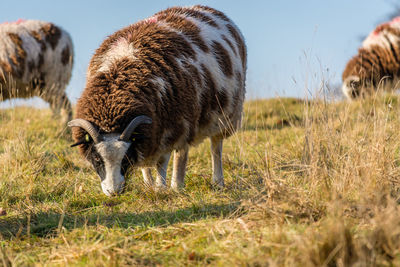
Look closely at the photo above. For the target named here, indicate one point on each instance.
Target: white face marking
(112, 152)
(122, 48)
(346, 89)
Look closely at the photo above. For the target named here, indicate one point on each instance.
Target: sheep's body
(36, 59)
(184, 68)
(377, 64)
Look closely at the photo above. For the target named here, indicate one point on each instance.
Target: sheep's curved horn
(126, 134)
(88, 127)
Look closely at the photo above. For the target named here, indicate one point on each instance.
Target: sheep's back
(185, 67)
(379, 55)
(35, 52)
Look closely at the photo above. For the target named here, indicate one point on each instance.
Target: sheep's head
(357, 86)
(368, 72)
(354, 77)
(352, 87)
(108, 152)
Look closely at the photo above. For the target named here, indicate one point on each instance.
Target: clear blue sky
(291, 43)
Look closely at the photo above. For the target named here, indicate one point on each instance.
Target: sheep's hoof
(218, 185)
(160, 187)
(177, 187)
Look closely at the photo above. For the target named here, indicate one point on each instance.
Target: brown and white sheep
(158, 86)
(36, 59)
(377, 64)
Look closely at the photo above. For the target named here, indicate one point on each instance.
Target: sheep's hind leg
(59, 105)
(162, 166)
(178, 174)
(216, 155)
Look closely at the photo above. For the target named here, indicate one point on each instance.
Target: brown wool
(373, 64)
(52, 34)
(208, 100)
(25, 74)
(224, 61)
(230, 44)
(187, 27)
(213, 11)
(5, 66)
(162, 79)
(239, 43)
(377, 62)
(38, 37)
(31, 65)
(18, 59)
(191, 13)
(65, 57)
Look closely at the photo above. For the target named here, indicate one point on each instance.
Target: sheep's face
(108, 163)
(110, 154)
(352, 87)
(356, 87)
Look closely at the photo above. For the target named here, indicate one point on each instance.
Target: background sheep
(377, 64)
(36, 60)
(158, 86)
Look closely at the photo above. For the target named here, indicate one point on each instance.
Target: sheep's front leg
(178, 174)
(162, 166)
(216, 155)
(147, 177)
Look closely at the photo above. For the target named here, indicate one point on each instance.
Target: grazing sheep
(36, 60)
(377, 64)
(158, 86)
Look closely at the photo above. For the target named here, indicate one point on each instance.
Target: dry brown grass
(308, 184)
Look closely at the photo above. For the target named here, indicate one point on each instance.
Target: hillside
(306, 184)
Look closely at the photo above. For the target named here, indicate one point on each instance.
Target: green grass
(307, 183)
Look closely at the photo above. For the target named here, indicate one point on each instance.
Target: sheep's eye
(86, 140)
(134, 136)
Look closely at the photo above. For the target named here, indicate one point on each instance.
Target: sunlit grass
(307, 183)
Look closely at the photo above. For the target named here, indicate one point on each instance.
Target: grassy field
(307, 184)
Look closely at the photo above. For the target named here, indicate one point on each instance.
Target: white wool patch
(160, 83)
(29, 44)
(380, 37)
(212, 34)
(377, 39)
(346, 91)
(57, 74)
(119, 50)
